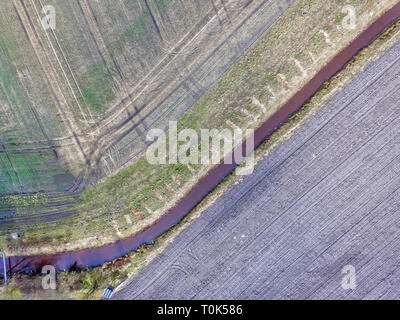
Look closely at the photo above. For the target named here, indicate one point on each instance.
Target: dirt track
(326, 198)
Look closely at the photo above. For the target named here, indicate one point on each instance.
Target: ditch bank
(97, 256)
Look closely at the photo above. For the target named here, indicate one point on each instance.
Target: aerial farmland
(120, 127)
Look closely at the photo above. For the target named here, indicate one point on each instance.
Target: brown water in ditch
(98, 256)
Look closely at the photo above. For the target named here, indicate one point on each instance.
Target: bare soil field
(324, 199)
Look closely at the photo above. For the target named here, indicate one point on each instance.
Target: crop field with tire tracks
(79, 100)
(70, 95)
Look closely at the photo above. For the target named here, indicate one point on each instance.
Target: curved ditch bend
(98, 256)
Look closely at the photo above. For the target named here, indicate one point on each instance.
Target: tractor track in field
(58, 207)
(139, 115)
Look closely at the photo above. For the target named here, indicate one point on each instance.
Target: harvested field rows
(326, 198)
(48, 120)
